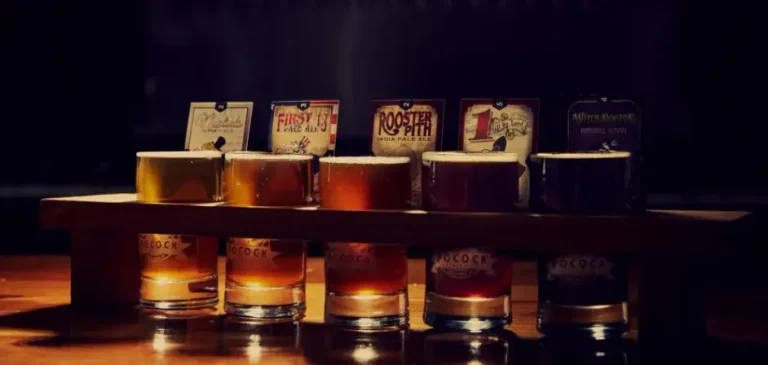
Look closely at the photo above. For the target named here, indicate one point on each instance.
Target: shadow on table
(50, 319)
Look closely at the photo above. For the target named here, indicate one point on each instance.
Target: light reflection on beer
(364, 183)
(262, 179)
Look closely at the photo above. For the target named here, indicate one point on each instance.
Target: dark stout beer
(582, 293)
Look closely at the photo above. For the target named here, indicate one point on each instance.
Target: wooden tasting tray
(655, 232)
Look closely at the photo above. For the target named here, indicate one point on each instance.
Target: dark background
(91, 84)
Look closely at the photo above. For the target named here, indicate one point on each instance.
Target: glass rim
(596, 155)
(469, 157)
(179, 154)
(258, 155)
(366, 160)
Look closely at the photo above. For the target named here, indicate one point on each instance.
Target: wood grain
(652, 232)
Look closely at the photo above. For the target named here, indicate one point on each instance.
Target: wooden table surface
(37, 326)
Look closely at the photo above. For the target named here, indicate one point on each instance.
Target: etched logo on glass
(161, 247)
(463, 264)
(258, 252)
(579, 268)
(350, 256)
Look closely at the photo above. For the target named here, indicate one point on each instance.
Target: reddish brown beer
(470, 182)
(469, 288)
(365, 283)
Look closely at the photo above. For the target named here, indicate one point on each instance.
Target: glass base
(470, 314)
(288, 311)
(599, 322)
(261, 302)
(471, 324)
(179, 294)
(367, 311)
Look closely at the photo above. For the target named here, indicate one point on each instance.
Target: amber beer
(178, 271)
(469, 288)
(366, 284)
(265, 277)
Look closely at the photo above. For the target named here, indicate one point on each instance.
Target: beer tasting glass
(582, 294)
(178, 271)
(366, 284)
(265, 277)
(469, 288)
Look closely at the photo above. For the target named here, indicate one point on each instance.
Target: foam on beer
(179, 154)
(473, 157)
(581, 155)
(266, 156)
(367, 160)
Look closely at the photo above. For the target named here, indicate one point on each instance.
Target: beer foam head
(367, 160)
(179, 154)
(469, 157)
(581, 155)
(266, 156)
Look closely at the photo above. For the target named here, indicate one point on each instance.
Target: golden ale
(178, 176)
(178, 271)
(366, 284)
(469, 288)
(265, 277)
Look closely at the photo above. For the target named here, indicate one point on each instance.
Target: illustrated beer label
(507, 125)
(256, 252)
(162, 247)
(350, 256)
(603, 124)
(304, 127)
(222, 126)
(463, 264)
(407, 128)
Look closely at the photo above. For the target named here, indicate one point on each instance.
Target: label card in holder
(222, 126)
(601, 123)
(407, 128)
(507, 125)
(304, 127)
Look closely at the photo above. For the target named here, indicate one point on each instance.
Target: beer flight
(366, 284)
(498, 170)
